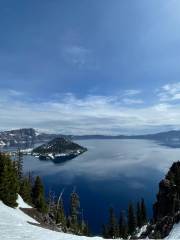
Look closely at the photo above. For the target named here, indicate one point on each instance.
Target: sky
(90, 67)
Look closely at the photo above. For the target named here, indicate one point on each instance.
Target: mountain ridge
(29, 136)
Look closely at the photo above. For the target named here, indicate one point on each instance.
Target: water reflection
(111, 172)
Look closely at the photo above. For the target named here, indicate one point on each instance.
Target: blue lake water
(110, 173)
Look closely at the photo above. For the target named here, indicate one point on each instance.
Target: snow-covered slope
(14, 226)
(175, 232)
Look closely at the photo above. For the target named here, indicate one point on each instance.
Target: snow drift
(14, 224)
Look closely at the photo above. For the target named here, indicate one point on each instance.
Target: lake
(110, 173)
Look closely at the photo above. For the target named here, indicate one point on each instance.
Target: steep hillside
(166, 209)
(16, 225)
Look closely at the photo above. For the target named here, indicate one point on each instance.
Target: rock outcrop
(166, 209)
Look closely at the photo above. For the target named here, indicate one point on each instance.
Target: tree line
(13, 182)
(127, 224)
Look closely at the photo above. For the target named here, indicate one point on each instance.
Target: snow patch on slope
(175, 232)
(141, 230)
(21, 203)
(14, 225)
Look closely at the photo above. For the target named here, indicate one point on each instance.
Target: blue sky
(88, 66)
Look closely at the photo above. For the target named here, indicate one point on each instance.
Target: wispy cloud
(132, 92)
(169, 92)
(93, 114)
(131, 96)
(79, 56)
(132, 101)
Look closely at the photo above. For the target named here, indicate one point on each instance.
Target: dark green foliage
(38, 195)
(58, 145)
(131, 220)
(112, 227)
(19, 164)
(157, 235)
(105, 233)
(84, 228)
(74, 212)
(9, 184)
(26, 190)
(60, 214)
(143, 213)
(123, 229)
(138, 215)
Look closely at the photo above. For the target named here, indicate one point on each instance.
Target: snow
(14, 226)
(21, 203)
(37, 133)
(141, 230)
(175, 232)
(2, 143)
(26, 151)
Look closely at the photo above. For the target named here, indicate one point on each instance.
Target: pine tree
(86, 231)
(113, 228)
(38, 195)
(9, 184)
(60, 214)
(143, 212)
(138, 215)
(131, 220)
(26, 190)
(105, 233)
(19, 163)
(74, 212)
(83, 226)
(123, 229)
(157, 235)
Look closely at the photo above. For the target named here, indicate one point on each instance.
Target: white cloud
(132, 101)
(132, 92)
(89, 115)
(169, 92)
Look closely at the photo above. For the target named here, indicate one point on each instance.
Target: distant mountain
(29, 136)
(170, 138)
(25, 137)
(17, 137)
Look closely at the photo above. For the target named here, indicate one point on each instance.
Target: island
(58, 150)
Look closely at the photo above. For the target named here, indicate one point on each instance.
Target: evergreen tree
(113, 228)
(74, 212)
(143, 212)
(26, 190)
(123, 229)
(86, 231)
(38, 195)
(105, 233)
(139, 215)
(83, 226)
(157, 235)
(60, 215)
(19, 164)
(9, 184)
(131, 220)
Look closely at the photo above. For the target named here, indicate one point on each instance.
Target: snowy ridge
(14, 225)
(175, 232)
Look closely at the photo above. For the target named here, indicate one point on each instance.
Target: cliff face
(168, 197)
(25, 137)
(18, 137)
(166, 209)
